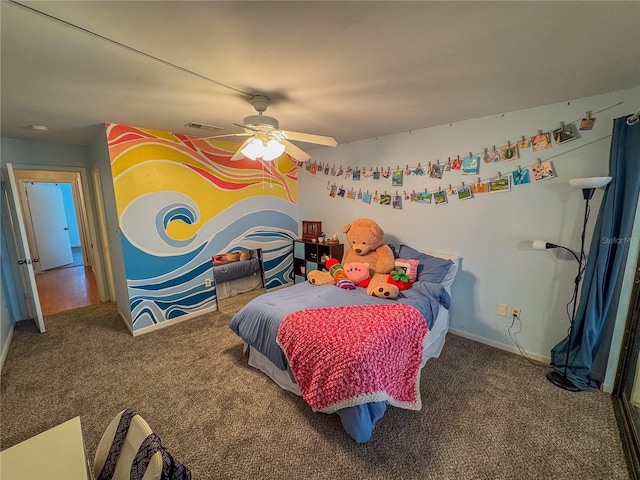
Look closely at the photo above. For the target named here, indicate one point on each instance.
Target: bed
(272, 327)
(237, 272)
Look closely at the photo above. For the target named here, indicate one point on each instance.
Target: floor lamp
(588, 186)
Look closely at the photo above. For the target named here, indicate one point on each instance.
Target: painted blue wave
(164, 287)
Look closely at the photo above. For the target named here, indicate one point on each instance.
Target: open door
(20, 236)
(50, 224)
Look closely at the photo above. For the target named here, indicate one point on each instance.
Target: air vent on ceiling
(202, 126)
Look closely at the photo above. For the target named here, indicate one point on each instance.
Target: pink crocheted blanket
(345, 356)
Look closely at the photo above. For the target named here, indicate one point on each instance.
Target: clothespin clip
(397, 167)
(438, 162)
(539, 132)
(562, 125)
(494, 148)
(470, 155)
(413, 191)
(462, 184)
(539, 161)
(449, 187)
(439, 189)
(396, 193)
(588, 113)
(499, 174)
(519, 169)
(479, 181)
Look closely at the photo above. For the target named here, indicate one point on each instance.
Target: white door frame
(24, 255)
(82, 203)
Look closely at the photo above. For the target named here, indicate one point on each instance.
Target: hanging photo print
(366, 197)
(565, 133)
(524, 143)
(385, 199)
(479, 187)
(520, 177)
(356, 175)
(396, 178)
(471, 165)
(436, 171)
(332, 193)
(491, 155)
(439, 197)
(509, 152)
(456, 164)
(424, 197)
(542, 141)
(542, 171)
(397, 202)
(464, 192)
(499, 184)
(587, 122)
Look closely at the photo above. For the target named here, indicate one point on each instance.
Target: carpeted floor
(487, 414)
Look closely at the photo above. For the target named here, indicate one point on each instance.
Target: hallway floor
(62, 289)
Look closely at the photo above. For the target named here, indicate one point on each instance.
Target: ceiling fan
(265, 139)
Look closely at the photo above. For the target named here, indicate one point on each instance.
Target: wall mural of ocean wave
(180, 201)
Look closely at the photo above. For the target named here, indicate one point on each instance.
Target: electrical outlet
(515, 312)
(207, 282)
(502, 310)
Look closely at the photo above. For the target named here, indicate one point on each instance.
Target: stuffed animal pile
(365, 244)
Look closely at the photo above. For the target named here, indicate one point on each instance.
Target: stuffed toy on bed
(358, 273)
(365, 243)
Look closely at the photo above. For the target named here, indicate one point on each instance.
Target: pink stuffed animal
(358, 273)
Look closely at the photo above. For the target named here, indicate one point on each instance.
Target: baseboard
(168, 323)
(502, 346)
(5, 346)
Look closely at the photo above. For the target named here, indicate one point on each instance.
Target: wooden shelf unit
(307, 256)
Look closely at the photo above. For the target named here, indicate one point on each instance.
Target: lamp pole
(561, 380)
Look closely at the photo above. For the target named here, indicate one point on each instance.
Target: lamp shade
(589, 182)
(253, 149)
(539, 245)
(273, 150)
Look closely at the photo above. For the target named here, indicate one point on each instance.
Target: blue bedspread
(257, 324)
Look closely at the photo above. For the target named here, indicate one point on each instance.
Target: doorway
(55, 218)
(627, 388)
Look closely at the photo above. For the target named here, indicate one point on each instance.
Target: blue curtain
(606, 259)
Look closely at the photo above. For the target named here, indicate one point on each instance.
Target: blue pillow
(430, 268)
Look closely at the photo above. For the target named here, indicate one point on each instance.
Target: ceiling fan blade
(239, 155)
(310, 138)
(248, 127)
(242, 134)
(295, 152)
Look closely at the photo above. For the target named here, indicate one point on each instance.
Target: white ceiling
(352, 70)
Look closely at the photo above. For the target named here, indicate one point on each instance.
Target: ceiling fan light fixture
(253, 149)
(266, 150)
(273, 149)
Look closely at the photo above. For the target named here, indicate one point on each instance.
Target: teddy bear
(365, 243)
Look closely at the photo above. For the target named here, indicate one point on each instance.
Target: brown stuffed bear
(365, 243)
